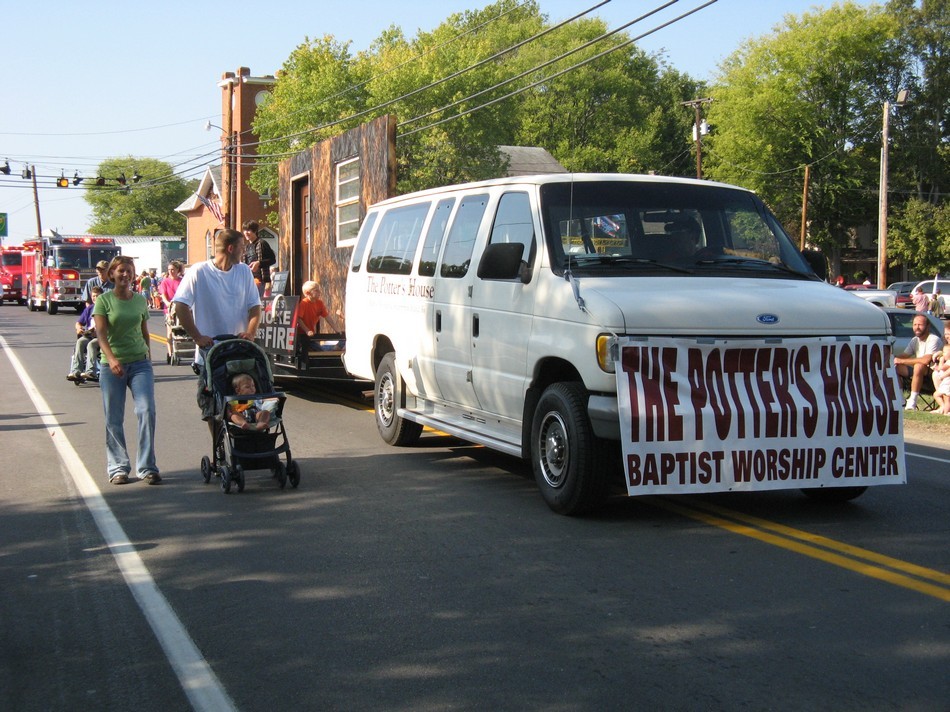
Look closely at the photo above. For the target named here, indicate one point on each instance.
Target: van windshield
(613, 228)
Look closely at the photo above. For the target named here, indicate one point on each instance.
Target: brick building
(223, 197)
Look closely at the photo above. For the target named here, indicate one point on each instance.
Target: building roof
(127, 239)
(529, 161)
(210, 183)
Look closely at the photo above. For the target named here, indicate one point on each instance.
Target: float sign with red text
(742, 415)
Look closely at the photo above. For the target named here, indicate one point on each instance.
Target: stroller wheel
(239, 477)
(206, 468)
(280, 472)
(293, 474)
(168, 358)
(225, 479)
(176, 360)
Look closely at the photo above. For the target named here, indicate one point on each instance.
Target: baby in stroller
(248, 415)
(249, 430)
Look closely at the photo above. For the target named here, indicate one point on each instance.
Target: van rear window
(396, 239)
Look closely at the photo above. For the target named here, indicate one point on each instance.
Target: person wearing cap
(101, 280)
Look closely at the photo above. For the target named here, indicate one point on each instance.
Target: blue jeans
(140, 380)
(85, 355)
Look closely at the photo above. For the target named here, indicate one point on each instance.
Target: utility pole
(698, 131)
(36, 203)
(801, 241)
(882, 197)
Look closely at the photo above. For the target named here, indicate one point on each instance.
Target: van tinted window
(513, 223)
(396, 239)
(361, 241)
(434, 235)
(461, 241)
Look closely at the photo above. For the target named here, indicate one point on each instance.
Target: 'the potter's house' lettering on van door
(410, 287)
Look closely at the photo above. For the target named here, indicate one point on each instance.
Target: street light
(882, 198)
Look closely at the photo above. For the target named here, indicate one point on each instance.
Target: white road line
(197, 679)
(928, 457)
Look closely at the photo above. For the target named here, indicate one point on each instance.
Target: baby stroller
(181, 344)
(236, 450)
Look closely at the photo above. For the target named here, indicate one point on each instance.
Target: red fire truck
(56, 268)
(11, 273)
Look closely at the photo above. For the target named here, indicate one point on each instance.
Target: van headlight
(606, 352)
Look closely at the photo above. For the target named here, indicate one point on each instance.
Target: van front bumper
(604, 416)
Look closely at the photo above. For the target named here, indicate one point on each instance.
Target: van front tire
(387, 399)
(567, 458)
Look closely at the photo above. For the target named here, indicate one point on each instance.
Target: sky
(89, 81)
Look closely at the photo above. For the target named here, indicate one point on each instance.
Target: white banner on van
(742, 415)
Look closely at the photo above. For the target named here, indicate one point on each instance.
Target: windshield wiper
(753, 263)
(586, 260)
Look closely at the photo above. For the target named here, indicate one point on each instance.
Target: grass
(917, 422)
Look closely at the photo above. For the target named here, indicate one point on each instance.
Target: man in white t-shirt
(218, 297)
(917, 359)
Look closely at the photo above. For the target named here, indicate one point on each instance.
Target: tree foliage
(808, 94)
(812, 93)
(480, 80)
(145, 207)
(920, 163)
(920, 235)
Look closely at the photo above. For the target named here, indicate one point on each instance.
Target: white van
(664, 328)
(929, 286)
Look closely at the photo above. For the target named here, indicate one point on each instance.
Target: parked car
(942, 284)
(902, 324)
(877, 297)
(903, 290)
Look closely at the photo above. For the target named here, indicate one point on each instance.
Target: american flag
(213, 206)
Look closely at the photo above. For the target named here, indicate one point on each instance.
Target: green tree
(448, 89)
(317, 90)
(810, 93)
(919, 235)
(143, 207)
(920, 154)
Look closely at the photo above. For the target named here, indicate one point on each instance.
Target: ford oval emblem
(767, 319)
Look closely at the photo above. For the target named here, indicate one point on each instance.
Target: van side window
(365, 231)
(434, 236)
(461, 241)
(395, 243)
(513, 224)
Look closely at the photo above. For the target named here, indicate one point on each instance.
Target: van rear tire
(568, 460)
(387, 399)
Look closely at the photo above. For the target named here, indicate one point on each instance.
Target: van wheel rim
(386, 401)
(555, 450)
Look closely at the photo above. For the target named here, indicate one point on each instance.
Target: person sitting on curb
(918, 358)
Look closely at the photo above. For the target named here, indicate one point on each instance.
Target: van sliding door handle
(438, 320)
(475, 325)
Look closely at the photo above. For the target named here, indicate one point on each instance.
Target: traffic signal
(62, 181)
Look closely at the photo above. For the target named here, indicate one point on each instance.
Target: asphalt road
(434, 577)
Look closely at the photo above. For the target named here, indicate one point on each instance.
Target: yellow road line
(804, 543)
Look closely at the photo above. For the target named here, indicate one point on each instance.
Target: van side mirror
(816, 260)
(501, 260)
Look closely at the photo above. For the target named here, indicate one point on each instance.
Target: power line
(559, 73)
(431, 85)
(549, 62)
